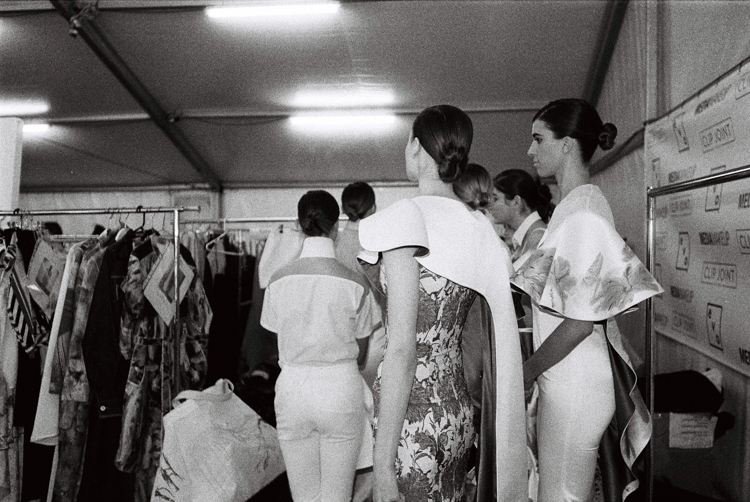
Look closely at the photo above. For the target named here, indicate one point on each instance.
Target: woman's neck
(573, 174)
(432, 186)
(352, 225)
(518, 220)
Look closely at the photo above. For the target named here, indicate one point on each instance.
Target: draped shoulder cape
(584, 270)
(462, 246)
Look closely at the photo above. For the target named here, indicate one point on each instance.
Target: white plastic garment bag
(216, 449)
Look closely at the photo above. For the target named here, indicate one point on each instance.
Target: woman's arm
(559, 344)
(399, 366)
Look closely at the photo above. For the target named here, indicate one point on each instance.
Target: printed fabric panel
(584, 270)
(438, 431)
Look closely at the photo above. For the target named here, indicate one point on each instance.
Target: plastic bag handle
(227, 388)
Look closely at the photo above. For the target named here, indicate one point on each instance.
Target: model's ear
(414, 146)
(567, 144)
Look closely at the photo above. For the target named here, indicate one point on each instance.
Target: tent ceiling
(228, 87)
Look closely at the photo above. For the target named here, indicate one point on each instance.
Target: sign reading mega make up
(702, 253)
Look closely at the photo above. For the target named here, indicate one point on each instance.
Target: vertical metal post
(650, 342)
(177, 333)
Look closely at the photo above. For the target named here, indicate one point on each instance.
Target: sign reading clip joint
(703, 251)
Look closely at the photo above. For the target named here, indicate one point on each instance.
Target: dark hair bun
(545, 194)
(317, 213)
(607, 136)
(481, 201)
(452, 164)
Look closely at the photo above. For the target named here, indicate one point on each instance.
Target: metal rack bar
(110, 210)
(254, 219)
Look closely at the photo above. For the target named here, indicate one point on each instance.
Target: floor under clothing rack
(21, 213)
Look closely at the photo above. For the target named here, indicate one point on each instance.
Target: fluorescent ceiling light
(342, 120)
(344, 98)
(16, 108)
(273, 10)
(35, 128)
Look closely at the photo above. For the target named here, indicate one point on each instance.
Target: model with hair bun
(579, 278)
(322, 314)
(474, 187)
(436, 256)
(523, 204)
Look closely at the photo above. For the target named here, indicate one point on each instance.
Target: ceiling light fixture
(273, 10)
(19, 108)
(342, 120)
(344, 99)
(35, 128)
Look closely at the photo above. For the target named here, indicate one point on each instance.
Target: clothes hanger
(211, 245)
(123, 228)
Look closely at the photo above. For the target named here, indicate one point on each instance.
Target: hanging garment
(36, 459)
(283, 246)
(225, 340)
(48, 405)
(10, 444)
(19, 308)
(258, 345)
(153, 378)
(107, 372)
(216, 449)
(75, 398)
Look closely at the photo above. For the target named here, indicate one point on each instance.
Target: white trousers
(320, 413)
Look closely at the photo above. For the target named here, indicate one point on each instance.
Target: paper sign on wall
(691, 430)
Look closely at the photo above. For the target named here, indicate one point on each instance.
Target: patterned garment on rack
(10, 461)
(157, 372)
(19, 307)
(75, 398)
(60, 361)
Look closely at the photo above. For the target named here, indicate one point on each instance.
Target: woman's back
(315, 304)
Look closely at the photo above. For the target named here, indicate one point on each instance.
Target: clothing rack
(21, 213)
(253, 219)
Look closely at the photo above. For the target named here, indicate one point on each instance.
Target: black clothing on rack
(107, 372)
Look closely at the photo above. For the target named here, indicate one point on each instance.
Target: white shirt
(520, 232)
(318, 308)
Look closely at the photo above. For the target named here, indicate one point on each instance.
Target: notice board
(702, 236)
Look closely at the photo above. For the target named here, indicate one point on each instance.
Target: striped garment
(19, 307)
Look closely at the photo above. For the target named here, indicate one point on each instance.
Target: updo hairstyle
(534, 193)
(356, 199)
(317, 212)
(579, 120)
(474, 187)
(445, 132)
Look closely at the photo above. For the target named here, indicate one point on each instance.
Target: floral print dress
(438, 431)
